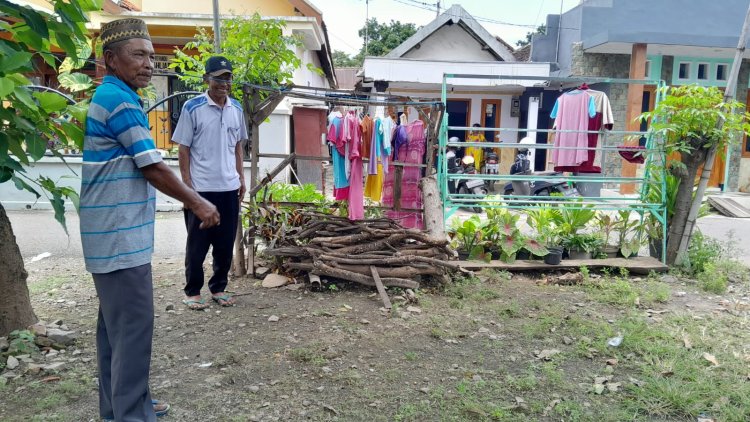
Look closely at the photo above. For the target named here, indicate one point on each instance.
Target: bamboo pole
(729, 95)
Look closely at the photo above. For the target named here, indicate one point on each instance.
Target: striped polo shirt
(118, 205)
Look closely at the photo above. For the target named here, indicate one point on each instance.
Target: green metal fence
(642, 203)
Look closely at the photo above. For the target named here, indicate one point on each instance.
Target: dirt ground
(495, 347)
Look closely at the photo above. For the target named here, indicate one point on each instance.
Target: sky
(345, 17)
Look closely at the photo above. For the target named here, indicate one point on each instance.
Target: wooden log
(396, 260)
(431, 252)
(304, 266)
(372, 246)
(381, 288)
(434, 221)
(397, 272)
(323, 269)
(346, 240)
(420, 236)
(290, 251)
(397, 181)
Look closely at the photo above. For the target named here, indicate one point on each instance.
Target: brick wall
(606, 66)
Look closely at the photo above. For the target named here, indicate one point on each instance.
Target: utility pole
(217, 28)
(437, 6)
(729, 94)
(367, 23)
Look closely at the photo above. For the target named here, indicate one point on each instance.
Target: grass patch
(311, 354)
(677, 382)
(47, 285)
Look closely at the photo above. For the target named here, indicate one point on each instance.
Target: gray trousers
(124, 332)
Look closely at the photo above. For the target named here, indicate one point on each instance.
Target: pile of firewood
(374, 252)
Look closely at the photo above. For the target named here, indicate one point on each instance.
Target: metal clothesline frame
(335, 97)
(653, 152)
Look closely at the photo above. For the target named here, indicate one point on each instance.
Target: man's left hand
(242, 190)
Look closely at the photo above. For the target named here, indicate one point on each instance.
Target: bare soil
(467, 352)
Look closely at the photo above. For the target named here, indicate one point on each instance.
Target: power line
(421, 5)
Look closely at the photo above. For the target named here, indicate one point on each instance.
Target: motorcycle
(522, 166)
(465, 186)
(491, 165)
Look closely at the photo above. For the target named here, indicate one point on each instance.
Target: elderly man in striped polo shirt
(121, 167)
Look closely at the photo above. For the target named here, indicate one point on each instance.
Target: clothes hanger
(584, 86)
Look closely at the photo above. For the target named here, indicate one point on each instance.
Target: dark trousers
(123, 342)
(220, 238)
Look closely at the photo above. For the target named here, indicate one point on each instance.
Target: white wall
(305, 77)
(275, 138)
(69, 175)
(451, 42)
(744, 182)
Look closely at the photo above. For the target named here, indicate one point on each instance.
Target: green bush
(713, 280)
(702, 251)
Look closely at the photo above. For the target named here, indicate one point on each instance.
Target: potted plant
(607, 224)
(583, 245)
(630, 234)
(532, 246)
(466, 237)
(544, 220)
(571, 220)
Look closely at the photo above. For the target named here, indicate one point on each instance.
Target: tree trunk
(434, 222)
(15, 305)
(683, 200)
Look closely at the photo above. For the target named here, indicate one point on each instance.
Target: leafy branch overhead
(31, 123)
(257, 47)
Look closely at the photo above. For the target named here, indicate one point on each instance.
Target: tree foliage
(381, 39)
(688, 116)
(541, 29)
(32, 123)
(258, 49)
(341, 59)
(384, 37)
(690, 120)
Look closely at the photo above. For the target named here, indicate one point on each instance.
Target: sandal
(196, 305)
(223, 299)
(160, 409)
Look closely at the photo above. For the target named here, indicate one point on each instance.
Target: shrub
(713, 280)
(702, 251)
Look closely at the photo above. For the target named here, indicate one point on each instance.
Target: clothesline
(348, 97)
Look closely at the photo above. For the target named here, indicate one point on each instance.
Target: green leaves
(50, 101)
(36, 146)
(687, 118)
(18, 61)
(6, 87)
(75, 82)
(29, 120)
(257, 48)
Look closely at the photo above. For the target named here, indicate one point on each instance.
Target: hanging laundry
(602, 119)
(366, 126)
(335, 139)
(354, 143)
(389, 126)
(374, 182)
(571, 113)
(399, 139)
(412, 152)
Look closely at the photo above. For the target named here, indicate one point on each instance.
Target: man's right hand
(207, 213)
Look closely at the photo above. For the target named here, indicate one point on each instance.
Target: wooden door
(491, 117)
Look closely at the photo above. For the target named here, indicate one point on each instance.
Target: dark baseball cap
(218, 65)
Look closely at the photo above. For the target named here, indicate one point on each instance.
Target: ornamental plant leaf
(535, 248)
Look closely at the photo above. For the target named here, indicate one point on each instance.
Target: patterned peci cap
(123, 29)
